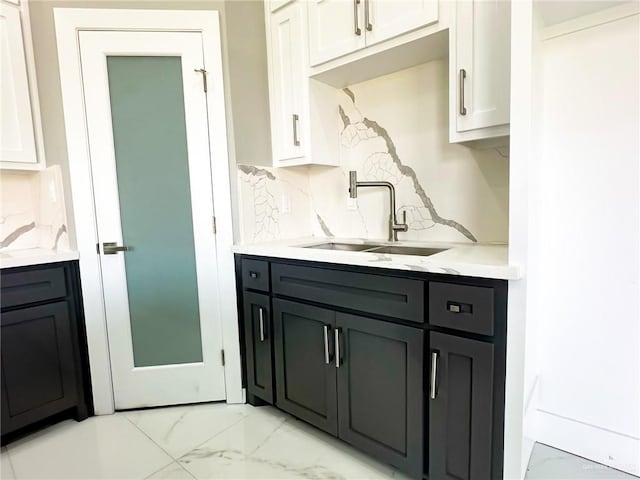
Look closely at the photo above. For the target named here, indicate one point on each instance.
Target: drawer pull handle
(434, 374)
(337, 340)
(254, 274)
(327, 359)
(455, 307)
(367, 19)
(356, 27)
(261, 315)
(462, 75)
(296, 141)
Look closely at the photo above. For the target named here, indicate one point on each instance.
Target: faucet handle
(404, 217)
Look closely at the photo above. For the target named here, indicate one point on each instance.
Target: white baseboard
(615, 450)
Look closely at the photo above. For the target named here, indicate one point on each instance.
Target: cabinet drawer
(461, 307)
(24, 287)
(255, 275)
(390, 296)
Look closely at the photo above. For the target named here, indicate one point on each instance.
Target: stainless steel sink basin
(401, 250)
(377, 248)
(348, 247)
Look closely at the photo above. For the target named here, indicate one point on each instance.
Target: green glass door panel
(150, 143)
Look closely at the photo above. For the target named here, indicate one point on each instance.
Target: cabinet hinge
(222, 353)
(215, 228)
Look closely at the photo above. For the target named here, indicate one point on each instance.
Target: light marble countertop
(35, 256)
(465, 259)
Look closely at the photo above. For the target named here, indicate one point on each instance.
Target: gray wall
(245, 76)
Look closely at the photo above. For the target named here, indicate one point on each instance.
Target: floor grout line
(152, 441)
(13, 470)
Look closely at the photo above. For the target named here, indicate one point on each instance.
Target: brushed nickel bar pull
(296, 141)
(261, 324)
(367, 18)
(337, 340)
(461, 76)
(327, 360)
(356, 21)
(434, 375)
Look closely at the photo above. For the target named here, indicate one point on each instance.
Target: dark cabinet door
(304, 362)
(38, 365)
(460, 408)
(380, 390)
(258, 341)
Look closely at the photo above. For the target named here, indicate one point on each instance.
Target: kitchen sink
(348, 247)
(377, 248)
(401, 250)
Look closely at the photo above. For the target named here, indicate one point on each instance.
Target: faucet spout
(394, 226)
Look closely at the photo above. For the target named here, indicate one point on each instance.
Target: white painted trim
(592, 20)
(607, 447)
(68, 22)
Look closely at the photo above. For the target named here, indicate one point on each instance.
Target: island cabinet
(406, 366)
(44, 355)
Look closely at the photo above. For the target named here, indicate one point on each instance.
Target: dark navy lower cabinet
(417, 383)
(380, 400)
(460, 408)
(44, 356)
(258, 343)
(305, 372)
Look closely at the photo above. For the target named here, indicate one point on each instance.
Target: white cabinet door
(287, 74)
(17, 138)
(336, 28)
(482, 75)
(384, 19)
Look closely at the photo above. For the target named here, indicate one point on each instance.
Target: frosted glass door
(150, 142)
(149, 148)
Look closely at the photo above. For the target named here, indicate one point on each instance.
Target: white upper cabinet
(298, 104)
(17, 134)
(335, 28)
(287, 77)
(340, 27)
(480, 70)
(385, 19)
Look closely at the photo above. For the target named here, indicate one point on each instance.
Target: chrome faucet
(394, 226)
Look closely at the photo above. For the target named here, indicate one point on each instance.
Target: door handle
(261, 315)
(327, 358)
(296, 140)
(111, 248)
(461, 76)
(367, 19)
(356, 26)
(434, 374)
(337, 340)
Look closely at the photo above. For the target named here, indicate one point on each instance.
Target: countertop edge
(24, 258)
(386, 261)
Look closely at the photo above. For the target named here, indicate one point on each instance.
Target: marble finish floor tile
(107, 447)
(212, 441)
(6, 470)
(181, 429)
(548, 463)
(311, 453)
(173, 471)
(227, 455)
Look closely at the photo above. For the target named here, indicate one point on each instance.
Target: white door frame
(69, 21)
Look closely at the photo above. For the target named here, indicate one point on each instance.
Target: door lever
(111, 248)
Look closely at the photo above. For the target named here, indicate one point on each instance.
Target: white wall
(587, 299)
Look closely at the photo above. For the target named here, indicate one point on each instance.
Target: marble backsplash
(32, 210)
(392, 128)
